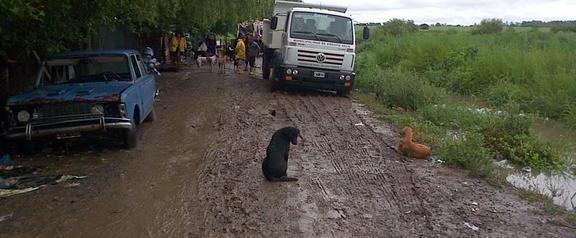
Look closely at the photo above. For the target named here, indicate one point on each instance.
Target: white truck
(309, 46)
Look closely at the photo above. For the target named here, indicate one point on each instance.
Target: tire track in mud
(236, 200)
(351, 182)
(361, 169)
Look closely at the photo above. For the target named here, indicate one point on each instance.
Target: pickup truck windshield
(88, 69)
(322, 27)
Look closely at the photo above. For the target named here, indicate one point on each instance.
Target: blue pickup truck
(86, 92)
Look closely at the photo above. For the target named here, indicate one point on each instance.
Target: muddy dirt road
(196, 173)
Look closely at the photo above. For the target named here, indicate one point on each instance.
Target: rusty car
(106, 92)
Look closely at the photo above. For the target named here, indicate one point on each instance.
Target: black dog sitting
(276, 162)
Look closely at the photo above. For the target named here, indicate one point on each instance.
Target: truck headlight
(342, 77)
(348, 77)
(97, 109)
(288, 71)
(295, 72)
(23, 116)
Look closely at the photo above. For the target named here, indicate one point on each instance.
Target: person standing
(181, 48)
(174, 43)
(211, 44)
(253, 50)
(240, 51)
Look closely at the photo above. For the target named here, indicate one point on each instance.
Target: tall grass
(534, 69)
(516, 71)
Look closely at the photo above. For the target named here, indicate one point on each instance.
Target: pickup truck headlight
(23, 116)
(348, 77)
(122, 109)
(97, 109)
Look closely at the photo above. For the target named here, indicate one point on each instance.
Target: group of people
(177, 47)
(245, 52)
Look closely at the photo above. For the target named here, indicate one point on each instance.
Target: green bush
(466, 151)
(406, 90)
(565, 27)
(397, 27)
(500, 94)
(525, 150)
(489, 26)
(458, 117)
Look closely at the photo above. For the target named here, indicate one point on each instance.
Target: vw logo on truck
(320, 57)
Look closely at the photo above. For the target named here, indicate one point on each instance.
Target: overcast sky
(464, 12)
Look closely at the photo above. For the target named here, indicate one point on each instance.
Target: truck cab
(309, 46)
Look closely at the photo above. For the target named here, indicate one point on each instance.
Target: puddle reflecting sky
(562, 188)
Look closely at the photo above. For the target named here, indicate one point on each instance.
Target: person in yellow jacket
(174, 42)
(181, 48)
(240, 52)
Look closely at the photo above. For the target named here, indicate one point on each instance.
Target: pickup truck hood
(80, 92)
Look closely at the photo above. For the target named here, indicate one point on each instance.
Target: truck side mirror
(366, 33)
(274, 23)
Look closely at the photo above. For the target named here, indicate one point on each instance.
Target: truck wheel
(130, 137)
(343, 93)
(275, 84)
(151, 116)
(265, 67)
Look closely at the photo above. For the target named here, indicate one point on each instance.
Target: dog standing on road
(210, 60)
(276, 162)
(222, 60)
(408, 148)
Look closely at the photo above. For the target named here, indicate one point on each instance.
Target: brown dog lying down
(407, 147)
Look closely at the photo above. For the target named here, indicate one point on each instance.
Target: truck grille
(311, 57)
(56, 110)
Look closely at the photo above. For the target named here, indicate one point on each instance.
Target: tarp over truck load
(285, 6)
(253, 29)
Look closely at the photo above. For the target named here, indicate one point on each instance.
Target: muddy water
(561, 187)
(553, 131)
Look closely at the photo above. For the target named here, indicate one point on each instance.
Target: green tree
(50, 26)
(489, 26)
(399, 26)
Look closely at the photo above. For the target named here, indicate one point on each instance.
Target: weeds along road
(196, 173)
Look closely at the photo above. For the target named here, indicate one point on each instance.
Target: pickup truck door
(146, 85)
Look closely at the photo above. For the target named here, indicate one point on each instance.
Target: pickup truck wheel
(25, 147)
(130, 137)
(151, 116)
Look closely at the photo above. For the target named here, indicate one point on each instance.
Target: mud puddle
(560, 187)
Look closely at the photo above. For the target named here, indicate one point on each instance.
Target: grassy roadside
(418, 78)
(474, 98)
(454, 147)
(464, 150)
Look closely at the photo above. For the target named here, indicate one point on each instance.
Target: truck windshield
(323, 27)
(86, 69)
